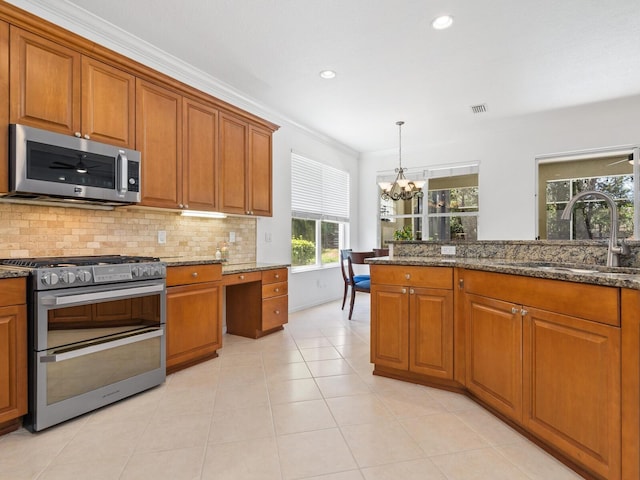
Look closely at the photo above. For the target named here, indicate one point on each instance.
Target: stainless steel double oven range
(96, 333)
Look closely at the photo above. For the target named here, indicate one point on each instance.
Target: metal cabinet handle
(514, 310)
(407, 276)
(524, 312)
(77, 134)
(194, 274)
(276, 290)
(241, 277)
(277, 276)
(404, 290)
(411, 291)
(180, 205)
(86, 136)
(277, 312)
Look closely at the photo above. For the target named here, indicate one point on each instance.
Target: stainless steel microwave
(46, 165)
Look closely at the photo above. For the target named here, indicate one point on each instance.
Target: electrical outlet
(267, 237)
(162, 237)
(448, 250)
(232, 237)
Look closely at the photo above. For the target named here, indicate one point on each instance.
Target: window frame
(331, 211)
(433, 172)
(579, 155)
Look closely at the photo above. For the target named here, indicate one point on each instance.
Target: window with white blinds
(318, 191)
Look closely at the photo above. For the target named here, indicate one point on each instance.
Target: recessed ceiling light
(328, 74)
(442, 22)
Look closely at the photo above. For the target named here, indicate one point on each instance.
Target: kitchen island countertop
(583, 273)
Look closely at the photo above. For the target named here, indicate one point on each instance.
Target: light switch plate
(162, 237)
(448, 250)
(232, 237)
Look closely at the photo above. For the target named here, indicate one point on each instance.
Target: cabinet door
(431, 332)
(4, 107)
(13, 362)
(200, 180)
(494, 353)
(390, 326)
(260, 172)
(193, 322)
(45, 83)
(108, 104)
(159, 138)
(572, 388)
(233, 165)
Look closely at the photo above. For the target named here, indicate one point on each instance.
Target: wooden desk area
(257, 302)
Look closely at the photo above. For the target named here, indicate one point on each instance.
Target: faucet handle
(624, 247)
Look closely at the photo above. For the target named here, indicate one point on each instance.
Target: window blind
(318, 191)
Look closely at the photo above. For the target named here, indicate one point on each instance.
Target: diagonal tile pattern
(298, 404)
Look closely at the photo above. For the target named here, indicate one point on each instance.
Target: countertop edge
(621, 280)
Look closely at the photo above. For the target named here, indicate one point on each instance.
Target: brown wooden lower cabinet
(13, 353)
(558, 360)
(572, 388)
(194, 313)
(257, 303)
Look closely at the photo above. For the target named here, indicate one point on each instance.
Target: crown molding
(88, 25)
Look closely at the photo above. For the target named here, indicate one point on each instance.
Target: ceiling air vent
(481, 108)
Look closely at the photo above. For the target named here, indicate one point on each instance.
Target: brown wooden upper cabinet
(178, 140)
(159, 138)
(4, 106)
(200, 142)
(245, 167)
(55, 88)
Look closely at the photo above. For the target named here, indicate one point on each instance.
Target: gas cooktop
(51, 262)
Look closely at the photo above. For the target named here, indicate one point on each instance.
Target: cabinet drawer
(430, 277)
(185, 275)
(275, 312)
(237, 278)
(591, 302)
(274, 289)
(13, 291)
(273, 276)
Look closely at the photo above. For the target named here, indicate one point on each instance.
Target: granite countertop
(624, 277)
(251, 267)
(227, 269)
(13, 272)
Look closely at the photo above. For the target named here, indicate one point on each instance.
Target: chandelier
(402, 188)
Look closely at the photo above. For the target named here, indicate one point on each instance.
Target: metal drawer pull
(276, 290)
(524, 312)
(277, 275)
(407, 276)
(514, 310)
(412, 291)
(99, 347)
(241, 277)
(404, 290)
(194, 274)
(91, 297)
(277, 312)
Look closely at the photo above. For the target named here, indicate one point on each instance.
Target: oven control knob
(67, 277)
(84, 276)
(50, 278)
(139, 271)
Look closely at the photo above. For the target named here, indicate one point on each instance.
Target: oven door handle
(119, 342)
(95, 296)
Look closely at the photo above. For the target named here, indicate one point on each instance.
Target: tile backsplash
(43, 231)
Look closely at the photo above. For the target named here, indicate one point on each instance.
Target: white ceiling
(517, 56)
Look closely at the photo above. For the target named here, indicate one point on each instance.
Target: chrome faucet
(614, 252)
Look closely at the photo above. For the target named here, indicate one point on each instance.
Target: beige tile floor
(298, 404)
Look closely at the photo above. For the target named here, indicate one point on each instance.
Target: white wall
(506, 151)
(318, 286)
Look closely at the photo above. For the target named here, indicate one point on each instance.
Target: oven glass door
(96, 345)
